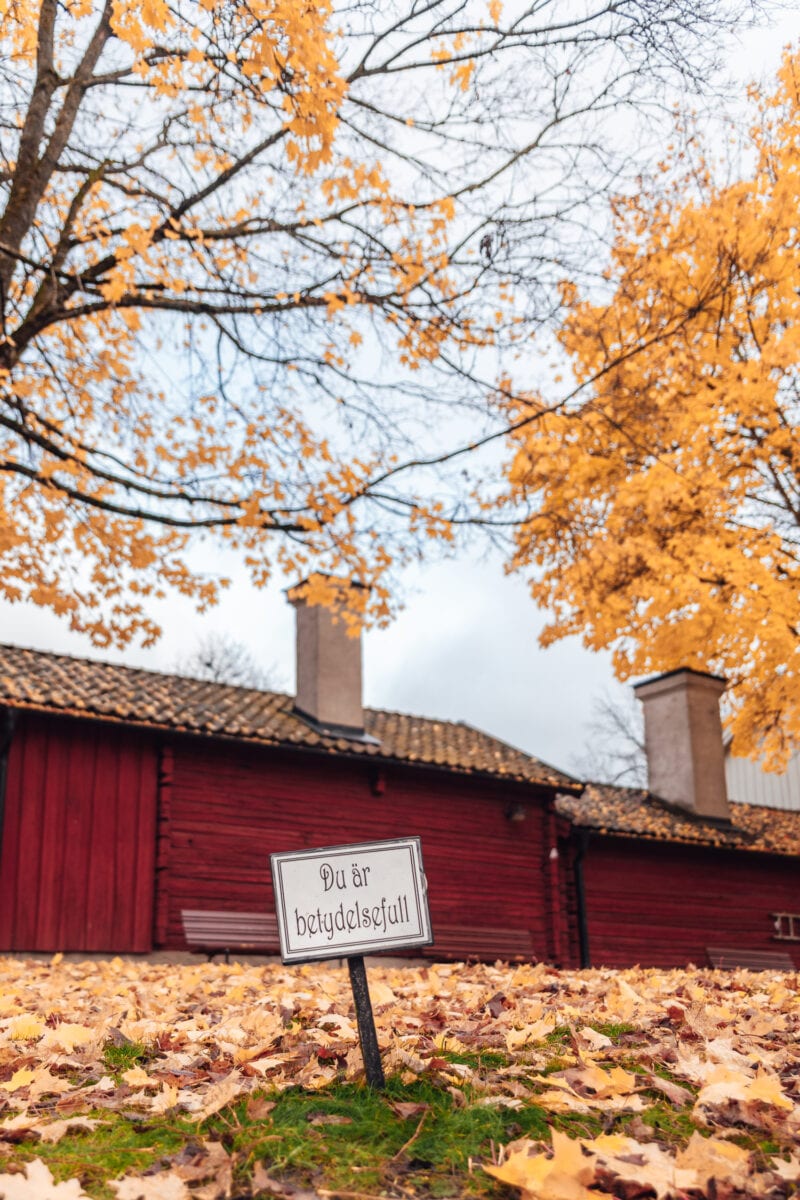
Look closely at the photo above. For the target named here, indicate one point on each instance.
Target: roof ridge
(519, 750)
(674, 809)
(49, 681)
(368, 709)
(102, 662)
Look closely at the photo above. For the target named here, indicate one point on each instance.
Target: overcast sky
(465, 645)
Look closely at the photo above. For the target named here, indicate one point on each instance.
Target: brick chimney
(328, 690)
(683, 741)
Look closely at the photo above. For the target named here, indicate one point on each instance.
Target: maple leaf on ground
(67, 1036)
(28, 1085)
(37, 1184)
(135, 1077)
(642, 1163)
(166, 1185)
(47, 1131)
(20, 1079)
(408, 1108)
(563, 1175)
(26, 1028)
(54, 1131)
(258, 1108)
(601, 1083)
(208, 1165)
(217, 1096)
(589, 1086)
(673, 1091)
(537, 1031)
(589, 1039)
(381, 994)
(614, 1160)
(760, 1102)
(713, 1158)
(787, 1170)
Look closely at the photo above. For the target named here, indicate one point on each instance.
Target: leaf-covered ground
(134, 1079)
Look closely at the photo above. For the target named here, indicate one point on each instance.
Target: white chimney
(328, 667)
(683, 741)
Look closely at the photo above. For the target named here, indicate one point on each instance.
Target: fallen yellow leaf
(713, 1158)
(135, 1077)
(20, 1079)
(562, 1176)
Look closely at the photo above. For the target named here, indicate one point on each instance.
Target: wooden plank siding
(110, 832)
(78, 838)
(230, 807)
(662, 905)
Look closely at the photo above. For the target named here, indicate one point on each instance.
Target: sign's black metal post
(366, 1023)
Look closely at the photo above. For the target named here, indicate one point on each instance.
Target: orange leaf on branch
(234, 246)
(665, 494)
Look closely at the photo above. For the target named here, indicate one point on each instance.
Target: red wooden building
(663, 888)
(129, 796)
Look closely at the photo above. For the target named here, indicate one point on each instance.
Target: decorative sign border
(414, 900)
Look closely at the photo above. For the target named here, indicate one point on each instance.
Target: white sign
(342, 901)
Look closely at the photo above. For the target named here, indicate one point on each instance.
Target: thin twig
(412, 1139)
(335, 1194)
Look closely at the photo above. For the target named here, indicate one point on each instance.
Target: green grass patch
(761, 1145)
(557, 1063)
(483, 1060)
(350, 1138)
(613, 1029)
(112, 1149)
(671, 1125)
(665, 1072)
(346, 1137)
(374, 1147)
(120, 1058)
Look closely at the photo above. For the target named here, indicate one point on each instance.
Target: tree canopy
(667, 492)
(255, 255)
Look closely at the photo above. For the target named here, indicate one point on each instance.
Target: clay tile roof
(32, 679)
(629, 812)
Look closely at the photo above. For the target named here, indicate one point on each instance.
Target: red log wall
(78, 837)
(662, 905)
(231, 807)
(100, 827)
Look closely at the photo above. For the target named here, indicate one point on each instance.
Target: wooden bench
(469, 941)
(221, 932)
(211, 933)
(729, 957)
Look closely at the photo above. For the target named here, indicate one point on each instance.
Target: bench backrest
(228, 930)
(729, 957)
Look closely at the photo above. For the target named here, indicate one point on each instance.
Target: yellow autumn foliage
(667, 492)
(257, 256)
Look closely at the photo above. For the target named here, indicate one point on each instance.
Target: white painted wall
(748, 783)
